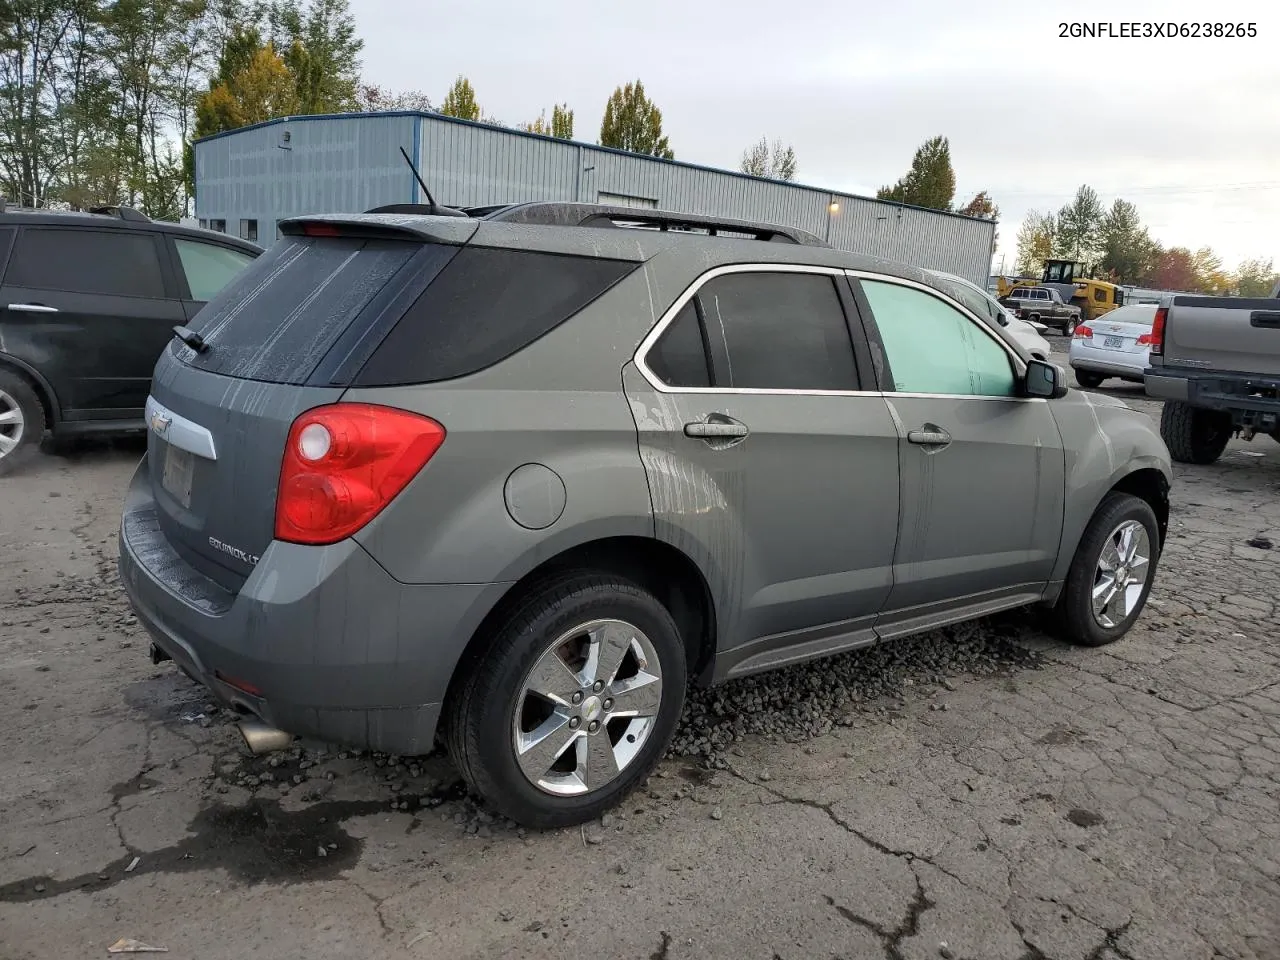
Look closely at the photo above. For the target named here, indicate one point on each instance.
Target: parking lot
(983, 792)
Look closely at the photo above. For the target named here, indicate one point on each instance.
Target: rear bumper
(334, 647)
(1112, 363)
(1255, 400)
(1166, 388)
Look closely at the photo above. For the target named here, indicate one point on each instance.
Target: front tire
(1112, 572)
(1194, 435)
(573, 704)
(1089, 379)
(21, 421)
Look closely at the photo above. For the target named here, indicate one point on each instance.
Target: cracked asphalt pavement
(981, 793)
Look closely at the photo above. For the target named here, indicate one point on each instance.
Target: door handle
(718, 430)
(930, 435)
(32, 308)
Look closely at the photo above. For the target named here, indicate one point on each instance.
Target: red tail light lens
(1084, 332)
(1156, 337)
(344, 463)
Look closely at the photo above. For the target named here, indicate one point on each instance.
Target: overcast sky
(1189, 130)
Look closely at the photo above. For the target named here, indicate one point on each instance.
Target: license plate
(179, 467)
(1113, 343)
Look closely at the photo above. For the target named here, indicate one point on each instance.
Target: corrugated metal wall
(334, 165)
(352, 163)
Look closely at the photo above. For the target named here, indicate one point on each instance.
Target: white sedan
(1117, 344)
(987, 307)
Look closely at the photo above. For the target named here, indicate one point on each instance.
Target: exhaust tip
(260, 738)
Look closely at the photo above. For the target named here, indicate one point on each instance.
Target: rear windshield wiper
(191, 339)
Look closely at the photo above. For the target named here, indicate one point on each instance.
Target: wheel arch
(665, 571)
(1151, 485)
(43, 389)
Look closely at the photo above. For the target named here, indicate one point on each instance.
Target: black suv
(87, 303)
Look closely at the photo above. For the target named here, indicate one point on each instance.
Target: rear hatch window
(276, 321)
(343, 311)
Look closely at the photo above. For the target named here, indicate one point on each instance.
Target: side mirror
(1045, 380)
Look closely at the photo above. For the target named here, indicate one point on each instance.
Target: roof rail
(122, 213)
(567, 214)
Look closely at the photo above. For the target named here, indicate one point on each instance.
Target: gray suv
(519, 478)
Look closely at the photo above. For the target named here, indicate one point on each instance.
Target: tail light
(344, 463)
(320, 230)
(1084, 332)
(1156, 337)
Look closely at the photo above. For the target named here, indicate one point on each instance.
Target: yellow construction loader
(1074, 283)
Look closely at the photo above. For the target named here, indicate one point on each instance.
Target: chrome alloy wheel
(12, 424)
(587, 707)
(1121, 574)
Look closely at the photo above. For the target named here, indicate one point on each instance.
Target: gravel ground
(977, 792)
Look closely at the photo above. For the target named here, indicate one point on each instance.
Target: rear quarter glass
(278, 318)
(486, 305)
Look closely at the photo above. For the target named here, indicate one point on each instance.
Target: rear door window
(783, 331)
(208, 266)
(279, 316)
(116, 263)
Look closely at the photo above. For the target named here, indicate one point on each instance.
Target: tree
(931, 182)
(1127, 251)
(1036, 239)
(371, 98)
(1210, 275)
(460, 101)
(262, 90)
(539, 126)
(320, 47)
(31, 35)
(1256, 278)
(633, 122)
(984, 208)
(1174, 270)
(1079, 223)
(775, 162)
(562, 122)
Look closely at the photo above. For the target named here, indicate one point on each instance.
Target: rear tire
(494, 718)
(1194, 435)
(1089, 379)
(21, 421)
(1102, 544)
(1069, 328)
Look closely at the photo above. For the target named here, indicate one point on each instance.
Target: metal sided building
(248, 179)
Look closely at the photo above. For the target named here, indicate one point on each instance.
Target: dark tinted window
(278, 317)
(783, 331)
(483, 307)
(109, 262)
(6, 243)
(679, 358)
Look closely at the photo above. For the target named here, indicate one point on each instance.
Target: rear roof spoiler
(392, 225)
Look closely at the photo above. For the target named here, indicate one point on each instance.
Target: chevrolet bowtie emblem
(160, 423)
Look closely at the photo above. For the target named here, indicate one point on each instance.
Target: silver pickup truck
(1215, 361)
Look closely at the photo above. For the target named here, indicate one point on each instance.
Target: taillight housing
(1084, 332)
(1156, 337)
(344, 463)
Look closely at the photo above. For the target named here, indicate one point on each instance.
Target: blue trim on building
(420, 115)
(417, 162)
